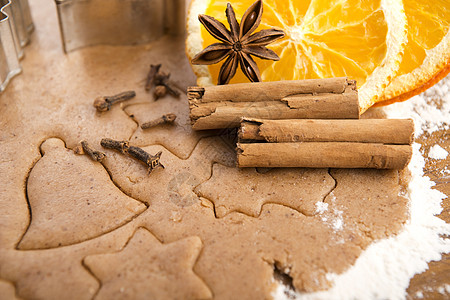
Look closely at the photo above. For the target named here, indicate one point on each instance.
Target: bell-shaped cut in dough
(72, 199)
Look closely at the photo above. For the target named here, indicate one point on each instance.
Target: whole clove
(104, 103)
(85, 148)
(161, 81)
(151, 161)
(154, 69)
(164, 119)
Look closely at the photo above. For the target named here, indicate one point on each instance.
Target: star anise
(238, 43)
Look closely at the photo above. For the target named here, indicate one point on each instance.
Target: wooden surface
(431, 284)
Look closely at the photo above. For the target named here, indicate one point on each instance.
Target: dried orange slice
(427, 55)
(363, 40)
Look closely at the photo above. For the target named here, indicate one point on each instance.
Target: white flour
(321, 207)
(338, 222)
(384, 269)
(334, 219)
(445, 289)
(437, 152)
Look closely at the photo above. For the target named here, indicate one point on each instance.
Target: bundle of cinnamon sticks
(306, 123)
(365, 143)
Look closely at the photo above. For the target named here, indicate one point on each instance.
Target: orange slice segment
(427, 54)
(363, 40)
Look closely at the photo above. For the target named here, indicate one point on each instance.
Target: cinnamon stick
(224, 106)
(272, 90)
(323, 155)
(384, 131)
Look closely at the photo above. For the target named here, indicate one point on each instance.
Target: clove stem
(151, 161)
(165, 119)
(104, 103)
(172, 89)
(92, 153)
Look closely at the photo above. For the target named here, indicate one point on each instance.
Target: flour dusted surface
(384, 269)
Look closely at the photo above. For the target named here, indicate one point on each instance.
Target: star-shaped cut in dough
(147, 269)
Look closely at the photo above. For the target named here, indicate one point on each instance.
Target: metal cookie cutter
(118, 22)
(16, 26)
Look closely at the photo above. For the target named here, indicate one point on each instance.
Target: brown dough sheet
(62, 214)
